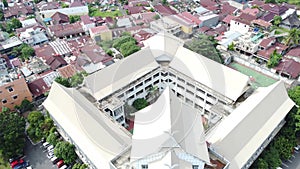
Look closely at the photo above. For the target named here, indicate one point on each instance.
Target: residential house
(248, 43)
(37, 66)
(209, 20)
(8, 44)
(164, 10)
(124, 22)
(67, 71)
(266, 52)
(17, 10)
(292, 21)
(143, 18)
(13, 93)
(294, 54)
(33, 36)
(59, 18)
(259, 23)
(38, 87)
(100, 33)
(142, 35)
(55, 62)
(135, 10)
(288, 68)
(67, 30)
(87, 23)
(28, 22)
(241, 23)
(43, 5)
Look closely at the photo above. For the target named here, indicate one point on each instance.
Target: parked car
(46, 144)
(54, 160)
(63, 167)
(50, 148)
(16, 162)
(297, 147)
(60, 163)
(22, 165)
(50, 154)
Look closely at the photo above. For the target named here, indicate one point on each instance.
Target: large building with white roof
(202, 114)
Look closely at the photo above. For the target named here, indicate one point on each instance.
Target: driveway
(293, 163)
(36, 156)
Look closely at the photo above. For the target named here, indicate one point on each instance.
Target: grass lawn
(113, 14)
(259, 80)
(294, 2)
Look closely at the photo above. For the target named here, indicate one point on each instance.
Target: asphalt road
(37, 158)
(293, 163)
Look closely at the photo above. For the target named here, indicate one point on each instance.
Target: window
(156, 75)
(4, 101)
(144, 166)
(15, 97)
(10, 89)
(195, 166)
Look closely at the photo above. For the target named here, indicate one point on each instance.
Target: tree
(77, 79)
(35, 117)
(271, 156)
(231, 46)
(277, 20)
(271, 1)
(274, 59)
(5, 3)
(164, 2)
(26, 53)
(284, 147)
(12, 137)
(52, 139)
(66, 151)
(16, 23)
(26, 105)
(260, 164)
(293, 37)
(79, 166)
(74, 18)
(140, 103)
(63, 81)
(156, 17)
(129, 48)
(5, 110)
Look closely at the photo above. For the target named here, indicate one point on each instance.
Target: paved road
(36, 156)
(293, 163)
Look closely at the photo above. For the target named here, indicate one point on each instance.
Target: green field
(258, 79)
(97, 12)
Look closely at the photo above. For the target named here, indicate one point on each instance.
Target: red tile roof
(99, 29)
(38, 87)
(67, 71)
(85, 19)
(135, 9)
(266, 42)
(95, 53)
(67, 29)
(55, 62)
(228, 18)
(245, 18)
(191, 18)
(289, 66)
(267, 52)
(59, 18)
(164, 10)
(295, 52)
(44, 52)
(262, 23)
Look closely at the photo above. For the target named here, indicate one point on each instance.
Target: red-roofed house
(59, 18)
(266, 43)
(38, 87)
(188, 16)
(294, 54)
(228, 19)
(55, 62)
(288, 68)
(136, 9)
(67, 71)
(266, 53)
(241, 23)
(164, 10)
(87, 22)
(101, 33)
(67, 30)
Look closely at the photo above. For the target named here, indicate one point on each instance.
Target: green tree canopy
(52, 139)
(284, 147)
(66, 151)
(35, 117)
(277, 20)
(274, 59)
(5, 3)
(74, 18)
(140, 103)
(206, 46)
(293, 37)
(79, 166)
(77, 79)
(12, 137)
(27, 52)
(63, 81)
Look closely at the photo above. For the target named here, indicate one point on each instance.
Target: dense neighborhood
(76, 50)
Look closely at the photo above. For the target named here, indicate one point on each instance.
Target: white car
(29, 167)
(50, 148)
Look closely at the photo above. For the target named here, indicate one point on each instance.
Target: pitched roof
(289, 66)
(164, 10)
(228, 18)
(38, 87)
(66, 29)
(55, 62)
(211, 74)
(245, 18)
(67, 71)
(96, 135)
(120, 73)
(99, 29)
(253, 121)
(60, 17)
(85, 19)
(167, 123)
(267, 42)
(135, 9)
(262, 23)
(295, 52)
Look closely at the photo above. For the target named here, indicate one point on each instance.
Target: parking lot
(36, 156)
(292, 163)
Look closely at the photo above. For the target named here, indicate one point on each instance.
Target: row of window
(9, 89)
(4, 101)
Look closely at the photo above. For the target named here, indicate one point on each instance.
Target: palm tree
(293, 37)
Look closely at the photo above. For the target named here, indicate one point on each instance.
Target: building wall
(14, 93)
(210, 22)
(81, 10)
(239, 27)
(187, 29)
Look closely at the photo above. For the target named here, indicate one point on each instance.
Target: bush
(140, 103)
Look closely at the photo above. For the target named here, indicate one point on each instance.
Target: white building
(202, 116)
(80, 10)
